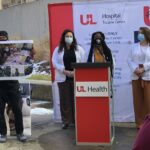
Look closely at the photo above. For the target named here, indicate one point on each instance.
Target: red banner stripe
(60, 18)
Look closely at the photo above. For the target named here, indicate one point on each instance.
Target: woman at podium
(99, 51)
(66, 53)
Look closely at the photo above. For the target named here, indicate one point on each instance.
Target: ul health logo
(87, 20)
(147, 15)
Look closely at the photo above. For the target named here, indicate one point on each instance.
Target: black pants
(13, 98)
(66, 92)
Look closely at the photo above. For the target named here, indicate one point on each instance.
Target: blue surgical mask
(141, 37)
(69, 40)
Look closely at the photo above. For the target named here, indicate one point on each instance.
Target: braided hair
(106, 50)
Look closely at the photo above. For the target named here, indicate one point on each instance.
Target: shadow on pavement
(65, 140)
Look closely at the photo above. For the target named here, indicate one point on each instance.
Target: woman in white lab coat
(139, 63)
(66, 53)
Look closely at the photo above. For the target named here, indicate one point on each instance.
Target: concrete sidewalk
(65, 140)
(46, 135)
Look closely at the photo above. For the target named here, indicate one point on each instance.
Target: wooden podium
(92, 104)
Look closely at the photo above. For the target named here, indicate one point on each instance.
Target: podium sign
(92, 89)
(92, 104)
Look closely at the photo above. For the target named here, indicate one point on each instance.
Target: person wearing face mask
(99, 51)
(139, 64)
(66, 53)
(10, 94)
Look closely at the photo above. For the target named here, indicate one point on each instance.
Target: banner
(58, 21)
(119, 21)
(16, 59)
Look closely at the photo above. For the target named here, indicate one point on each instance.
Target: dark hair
(106, 50)
(4, 33)
(146, 32)
(62, 44)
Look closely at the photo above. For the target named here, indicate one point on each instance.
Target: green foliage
(40, 77)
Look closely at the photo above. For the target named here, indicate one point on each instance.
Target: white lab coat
(58, 64)
(136, 57)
